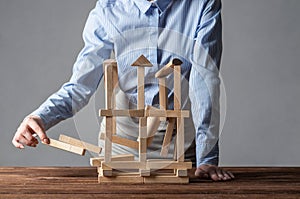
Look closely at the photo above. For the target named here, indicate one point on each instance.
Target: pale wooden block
(166, 179)
(163, 98)
(79, 143)
(124, 157)
(105, 172)
(177, 87)
(168, 165)
(152, 123)
(168, 69)
(180, 139)
(143, 139)
(167, 137)
(167, 113)
(145, 172)
(108, 87)
(122, 141)
(121, 179)
(122, 164)
(122, 113)
(66, 146)
(141, 88)
(108, 139)
(142, 61)
(106, 62)
(181, 172)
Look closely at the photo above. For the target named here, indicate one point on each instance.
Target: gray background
(40, 39)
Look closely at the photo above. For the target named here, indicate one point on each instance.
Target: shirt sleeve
(205, 83)
(87, 73)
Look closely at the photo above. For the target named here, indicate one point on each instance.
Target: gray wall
(39, 41)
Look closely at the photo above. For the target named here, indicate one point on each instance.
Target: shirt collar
(144, 5)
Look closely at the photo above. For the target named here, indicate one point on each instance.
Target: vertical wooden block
(180, 140)
(162, 93)
(143, 139)
(163, 96)
(141, 87)
(115, 85)
(177, 87)
(167, 137)
(143, 146)
(108, 139)
(108, 86)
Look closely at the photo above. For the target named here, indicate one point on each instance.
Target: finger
(17, 144)
(226, 175)
(29, 137)
(201, 174)
(213, 175)
(220, 173)
(38, 130)
(23, 140)
(230, 174)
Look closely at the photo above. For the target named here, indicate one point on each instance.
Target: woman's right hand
(25, 134)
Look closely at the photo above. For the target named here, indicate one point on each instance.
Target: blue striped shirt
(161, 30)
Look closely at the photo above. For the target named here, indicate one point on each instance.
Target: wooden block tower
(124, 168)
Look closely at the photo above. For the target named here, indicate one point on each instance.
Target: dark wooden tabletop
(74, 182)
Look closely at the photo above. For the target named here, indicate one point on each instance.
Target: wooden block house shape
(124, 169)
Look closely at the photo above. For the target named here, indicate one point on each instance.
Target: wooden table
(70, 182)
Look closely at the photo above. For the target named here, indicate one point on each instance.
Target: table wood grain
(81, 182)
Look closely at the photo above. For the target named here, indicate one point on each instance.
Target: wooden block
(177, 87)
(125, 157)
(180, 139)
(122, 141)
(142, 61)
(105, 172)
(168, 165)
(143, 140)
(141, 88)
(163, 96)
(152, 123)
(167, 113)
(121, 179)
(181, 172)
(121, 165)
(79, 143)
(108, 87)
(167, 137)
(108, 139)
(168, 69)
(166, 179)
(145, 172)
(122, 113)
(66, 146)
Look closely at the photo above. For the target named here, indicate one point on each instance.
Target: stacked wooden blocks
(124, 168)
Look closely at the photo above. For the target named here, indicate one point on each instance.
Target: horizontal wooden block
(79, 143)
(168, 165)
(166, 180)
(96, 162)
(145, 172)
(168, 69)
(122, 113)
(181, 172)
(121, 179)
(122, 141)
(167, 113)
(122, 165)
(66, 146)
